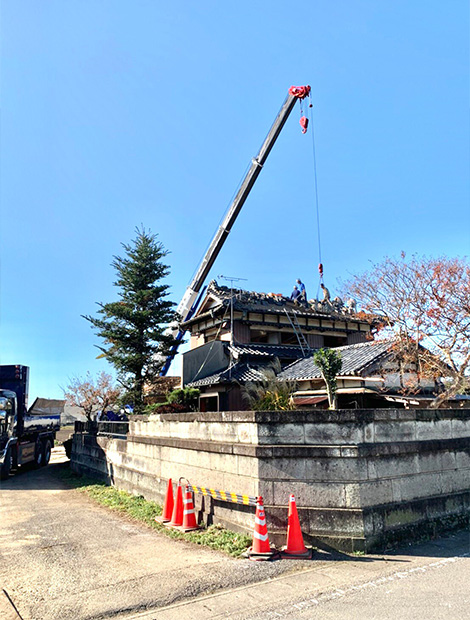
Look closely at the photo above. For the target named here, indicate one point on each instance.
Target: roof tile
(282, 351)
(238, 372)
(355, 358)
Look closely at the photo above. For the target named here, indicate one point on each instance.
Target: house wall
(196, 340)
(235, 400)
(204, 361)
(241, 332)
(347, 330)
(357, 337)
(314, 340)
(360, 477)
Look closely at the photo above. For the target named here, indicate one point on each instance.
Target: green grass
(139, 509)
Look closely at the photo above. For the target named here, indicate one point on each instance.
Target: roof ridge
(367, 343)
(265, 344)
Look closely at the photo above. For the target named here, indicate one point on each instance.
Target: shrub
(269, 394)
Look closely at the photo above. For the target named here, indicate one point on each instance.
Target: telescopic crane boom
(190, 300)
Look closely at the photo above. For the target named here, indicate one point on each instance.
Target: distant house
(52, 406)
(157, 390)
(71, 414)
(227, 353)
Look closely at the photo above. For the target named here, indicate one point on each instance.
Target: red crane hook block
(320, 269)
(299, 91)
(304, 123)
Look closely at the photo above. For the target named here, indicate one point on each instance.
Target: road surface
(63, 557)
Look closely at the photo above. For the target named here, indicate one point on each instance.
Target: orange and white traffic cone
(189, 513)
(261, 549)
(295, 547)
(168, 505)
(177, 514)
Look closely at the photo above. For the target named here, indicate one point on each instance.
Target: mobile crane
(194, 292)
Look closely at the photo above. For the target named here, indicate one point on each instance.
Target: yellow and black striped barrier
(225, 496)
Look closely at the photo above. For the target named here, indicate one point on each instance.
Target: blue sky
(122, 113)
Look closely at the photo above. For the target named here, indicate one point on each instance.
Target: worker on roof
(295, 295)
(301, 287)
(326, 295)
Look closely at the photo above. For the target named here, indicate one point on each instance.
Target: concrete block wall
(360, 477)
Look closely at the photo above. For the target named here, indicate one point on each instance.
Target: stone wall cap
(337, 416)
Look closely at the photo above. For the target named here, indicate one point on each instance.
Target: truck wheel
(47, 453)
(7, 465)
(39, 453)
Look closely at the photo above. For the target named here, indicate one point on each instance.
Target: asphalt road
(64, 557)
(427, 581)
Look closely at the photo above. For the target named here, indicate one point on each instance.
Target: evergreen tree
(133, 328)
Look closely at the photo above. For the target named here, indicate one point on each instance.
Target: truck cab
(8, 418)
(25, 436)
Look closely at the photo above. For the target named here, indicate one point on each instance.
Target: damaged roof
(355, 357)
(252, 301)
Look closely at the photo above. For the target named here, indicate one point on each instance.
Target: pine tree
(133, 328)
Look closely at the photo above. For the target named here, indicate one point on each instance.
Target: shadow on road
(58, 476)
(46, 478)
(442, 546)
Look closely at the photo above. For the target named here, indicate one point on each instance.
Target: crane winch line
(317, 207)
(192, 296)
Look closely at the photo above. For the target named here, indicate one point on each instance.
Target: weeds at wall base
(143, 511)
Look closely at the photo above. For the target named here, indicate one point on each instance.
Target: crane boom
(191, 298)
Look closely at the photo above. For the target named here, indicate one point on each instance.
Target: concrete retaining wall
(360, 477)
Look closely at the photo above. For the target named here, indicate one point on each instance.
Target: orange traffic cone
(168, 505)
(261, 549)
(295, 547)
(189, 514)
(177, 514)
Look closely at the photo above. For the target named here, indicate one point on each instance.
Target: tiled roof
(252, 301)
(282, 351)
(355, 358)
(239, 372)
(224, 293)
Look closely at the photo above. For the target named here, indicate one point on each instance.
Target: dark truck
(25, 436)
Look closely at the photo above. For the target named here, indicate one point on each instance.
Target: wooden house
(236, 333)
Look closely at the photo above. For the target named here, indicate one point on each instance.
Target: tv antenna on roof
(231, 280)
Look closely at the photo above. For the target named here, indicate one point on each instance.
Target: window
(289, 338)
(259, 336)
(334, 341)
